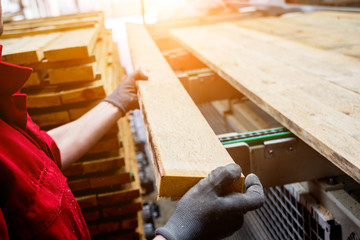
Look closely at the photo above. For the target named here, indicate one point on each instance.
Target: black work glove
(207, 211)
(125, 94)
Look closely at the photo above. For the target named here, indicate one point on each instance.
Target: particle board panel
(184, 148)
(274, 73)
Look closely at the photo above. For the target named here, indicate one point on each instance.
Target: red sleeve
(45, 141)
(53, 147)
(3, 228)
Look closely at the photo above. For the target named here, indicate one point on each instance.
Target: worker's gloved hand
(125, 94)
(206, 211)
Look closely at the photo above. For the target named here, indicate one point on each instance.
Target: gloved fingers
(252, 180)
(223, 176)
(139, 75)
(253, 197)
(134, 103)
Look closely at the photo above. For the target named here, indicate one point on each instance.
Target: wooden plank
(105, 145)
(91, 216)
(26, 50)
(92, 91)
(99, 182)
(110, 180)
(34, 80)
(335, 31)
(46, 29)
(82, 168)
(87, 201)
(271, 72)
(51, 119)
(122, 209)
(72, 44)
(124, 224)
(83, 73)
(184, 148)
(45, 64)
(43, 100)
(50, 21)
(53, 96)
(118, 196)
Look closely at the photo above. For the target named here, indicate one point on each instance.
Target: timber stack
(76, 64)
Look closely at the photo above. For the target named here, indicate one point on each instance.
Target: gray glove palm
(207, 211)
(125, 94)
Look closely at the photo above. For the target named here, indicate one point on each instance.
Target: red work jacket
(35, 200)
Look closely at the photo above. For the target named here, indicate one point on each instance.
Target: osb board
(183, 146)
(313, 92)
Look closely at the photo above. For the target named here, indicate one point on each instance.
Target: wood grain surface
(334, 31)
(184, 148)
(313, 92)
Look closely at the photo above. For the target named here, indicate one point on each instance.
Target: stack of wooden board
(76, 65)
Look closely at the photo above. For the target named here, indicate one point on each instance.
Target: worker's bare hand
(125, 95)
(206, 211)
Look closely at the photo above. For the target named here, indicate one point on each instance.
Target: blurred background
(159, 9)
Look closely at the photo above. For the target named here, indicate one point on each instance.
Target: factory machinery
(307, 196)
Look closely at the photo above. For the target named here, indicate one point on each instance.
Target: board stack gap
(76, 64)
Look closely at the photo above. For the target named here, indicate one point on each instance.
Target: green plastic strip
(197, 72)
(263, 130)
(252, 141)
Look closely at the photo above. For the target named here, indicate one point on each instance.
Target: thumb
(252, 199)
(254, 192)
(223, 176)
(139, 75)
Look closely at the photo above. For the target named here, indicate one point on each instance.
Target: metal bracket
(240, 152)
(280, 147)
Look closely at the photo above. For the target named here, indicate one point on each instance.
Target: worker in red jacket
(35, 200)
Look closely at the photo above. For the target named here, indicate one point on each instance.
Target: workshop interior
(273, 84)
